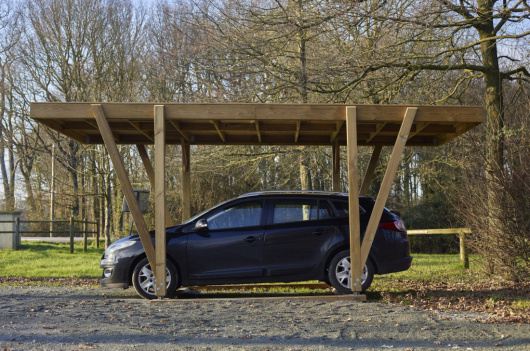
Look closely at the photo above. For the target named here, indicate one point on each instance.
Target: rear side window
(300, 210)
(343, 208)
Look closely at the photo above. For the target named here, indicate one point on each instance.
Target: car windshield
(194, 218)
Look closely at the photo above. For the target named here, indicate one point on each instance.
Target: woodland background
(466, 52)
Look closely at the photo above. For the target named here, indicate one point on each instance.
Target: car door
(298, 236)
(231, 246)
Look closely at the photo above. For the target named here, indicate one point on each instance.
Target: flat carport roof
(256, 124)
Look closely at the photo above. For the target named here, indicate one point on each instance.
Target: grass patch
(44, 259)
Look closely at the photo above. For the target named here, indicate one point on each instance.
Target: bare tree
(9, 36)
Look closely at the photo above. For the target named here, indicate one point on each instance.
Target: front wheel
(144, 279)
(339, 273)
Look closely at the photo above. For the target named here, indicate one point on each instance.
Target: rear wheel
(144, 279)
(339, 273)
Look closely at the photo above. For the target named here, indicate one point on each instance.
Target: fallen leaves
(500, 299)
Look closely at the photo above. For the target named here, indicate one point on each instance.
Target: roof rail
(308, 192)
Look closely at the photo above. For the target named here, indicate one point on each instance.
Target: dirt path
(66, 318)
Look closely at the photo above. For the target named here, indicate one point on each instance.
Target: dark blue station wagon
(262, 238)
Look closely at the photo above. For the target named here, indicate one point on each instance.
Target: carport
(188, 124)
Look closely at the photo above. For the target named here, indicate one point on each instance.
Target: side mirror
(201, 225)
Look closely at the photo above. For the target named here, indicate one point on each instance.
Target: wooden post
(353, 199)
(382, 196)
(335, 151)
(186, 181)
(464, 259)
(160, 200)
(370, 170)
(85, 234)
(72, 224)
(151, 175)
(17, 232)
(125, 183)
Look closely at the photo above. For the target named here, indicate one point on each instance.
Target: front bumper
(119, 275)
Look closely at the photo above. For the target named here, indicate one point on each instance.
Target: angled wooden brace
(186, 181)
(382, 196)
(370, 170)
(151, 175)
(125, 183)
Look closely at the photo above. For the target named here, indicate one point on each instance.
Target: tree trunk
(305, 173)
(494, 123)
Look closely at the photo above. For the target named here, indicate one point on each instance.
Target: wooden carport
(186, 124)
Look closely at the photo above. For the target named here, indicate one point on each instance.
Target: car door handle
(251, 239)
(320, 232)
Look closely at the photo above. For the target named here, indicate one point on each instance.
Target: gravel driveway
(75, 318)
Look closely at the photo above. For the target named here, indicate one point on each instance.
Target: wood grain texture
(353, 199)
(160, 200)
(388, 179)
(125, 183)
(370, 170)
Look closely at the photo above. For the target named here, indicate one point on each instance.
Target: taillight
(398, 225)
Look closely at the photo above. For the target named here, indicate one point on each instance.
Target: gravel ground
(67, 318)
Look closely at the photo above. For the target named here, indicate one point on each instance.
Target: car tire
(339, 273)
(143, 279)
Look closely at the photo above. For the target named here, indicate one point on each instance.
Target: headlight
(118, 245)
(113, 252)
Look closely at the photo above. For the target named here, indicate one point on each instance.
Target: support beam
(336, 132)
(222, 134)
(370, 171)
(186, 181)
(139, 128)
(382, 196)
(297, 133)
(160, 200)
(378, 128)
(176, 125)
(151, 175)
(353, 199)
(258, 131)
(335, 151)
(125, 183)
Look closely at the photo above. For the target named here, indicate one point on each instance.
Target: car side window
(247, 214)
(343, 208)
(300, 210)
(324, 210)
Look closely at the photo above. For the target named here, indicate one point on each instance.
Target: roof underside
(258, 124)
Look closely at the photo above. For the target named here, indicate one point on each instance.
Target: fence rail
(71, 231)
(461, 232)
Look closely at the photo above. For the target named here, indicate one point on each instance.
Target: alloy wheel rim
(146, 278)
(343, 272)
